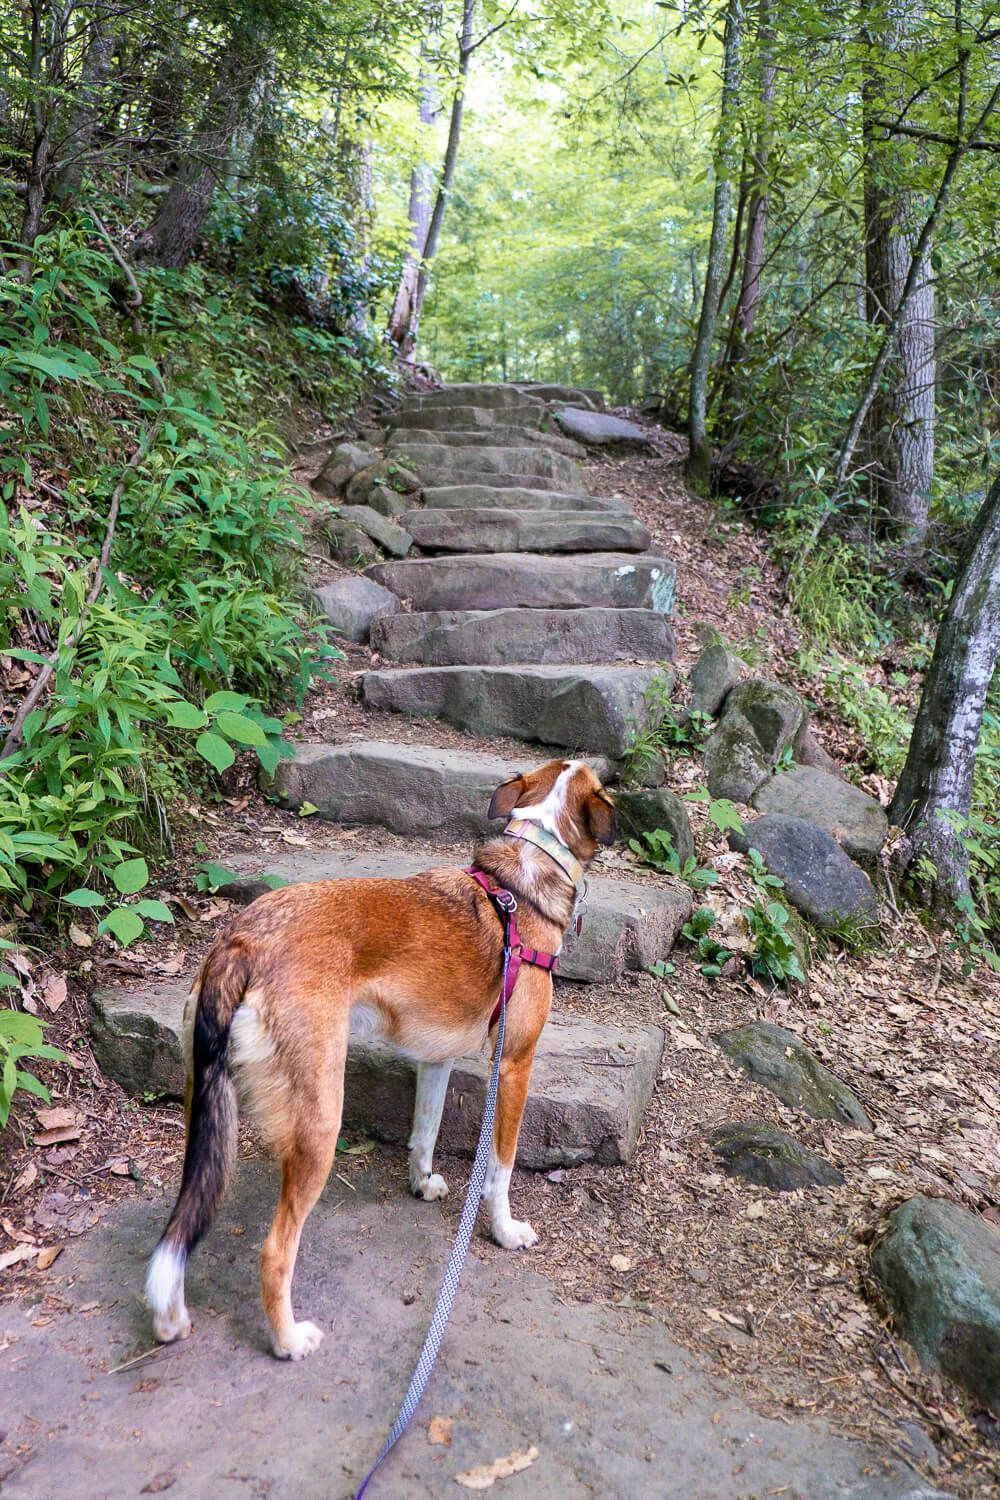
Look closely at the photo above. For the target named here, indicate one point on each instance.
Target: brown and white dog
(417, 962)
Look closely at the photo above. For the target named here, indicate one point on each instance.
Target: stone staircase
(525, 607)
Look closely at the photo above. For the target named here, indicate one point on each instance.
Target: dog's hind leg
(307, 1152)
(428, 1107)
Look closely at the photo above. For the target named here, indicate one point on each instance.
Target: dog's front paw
(429, 1188)
(515, 1234)
(305, 1338)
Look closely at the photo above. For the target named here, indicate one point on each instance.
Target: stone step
(594, 708)
(590, 1083)
(486, 496)
(527, 414)
(500, 580)
(407, 788)
(405, 438)
(473, 393)
(496, 530)
(574, 395)
(453, 637)
(436, 463)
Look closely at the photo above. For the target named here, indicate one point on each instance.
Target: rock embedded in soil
(713, 676)
(645, 809)
(776, 715)
(595, 708)
(850, 816)
(778, 1060)
(388, 472)
(771, 1158)
(449, 637)
(341, 467)
(352, 605)
(735, 764)
(390, 537)
(601, 430)
(939, 1267)
(348, 543)
(590, 1082)
(387, 502)
(819, 878)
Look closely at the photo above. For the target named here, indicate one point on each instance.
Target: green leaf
(55, 365)
(239, 728)
(269, 755)
(156, 911)
(130, 876)
(306, 809)
(225, 699)
(217, 751)
(83, 897)
(211, 877)
(123, 923)
(183, 715)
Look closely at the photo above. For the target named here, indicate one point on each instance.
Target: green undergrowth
(195, 647)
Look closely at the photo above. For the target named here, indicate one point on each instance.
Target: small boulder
(771, 1158)
(939, 1266)
(643, 811)
(352, 605)
(384, 471)
(713, 676)
(349, 544)
(388, 502)
(819, 878)
(809, 752)
(776, 1058)
(599, 430)
(853, 818)
(735, 764)
(390, 537)
(340, 468)
(776, 714)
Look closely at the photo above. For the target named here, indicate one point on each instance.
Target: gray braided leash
(459, 1250)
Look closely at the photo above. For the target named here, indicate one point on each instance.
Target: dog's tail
(211, 1137)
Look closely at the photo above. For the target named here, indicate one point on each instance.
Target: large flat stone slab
(507, 436)
(589, 1087)
(436, 463)
(473, 393)
(497, 530)
(439, 418)
(451, 637)
(599, 429)
(502, 580)
(514, 497)
(523, 1363)
(593, 708)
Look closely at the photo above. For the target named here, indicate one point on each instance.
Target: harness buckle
(506, 899)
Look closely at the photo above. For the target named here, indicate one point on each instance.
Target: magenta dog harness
(505, 905)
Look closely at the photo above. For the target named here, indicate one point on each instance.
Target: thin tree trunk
(700, 448)
(937, 778)
(466, 47)
(900, 423)
(421, 187)
(88, 108)
(753, 258)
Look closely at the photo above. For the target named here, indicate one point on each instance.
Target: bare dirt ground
(771, 1286)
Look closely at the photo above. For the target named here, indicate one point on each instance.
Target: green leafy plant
(656, 848)
(22, 1037)
(665, 730)
(774, 954)
(698, 931)
(760, 875)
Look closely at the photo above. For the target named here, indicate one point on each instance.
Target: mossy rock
(776, 1058)
(771, 1158)
(644, 810)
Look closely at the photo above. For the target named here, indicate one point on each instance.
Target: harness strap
(505, 905)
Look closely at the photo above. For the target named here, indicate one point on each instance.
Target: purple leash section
(467, 1223)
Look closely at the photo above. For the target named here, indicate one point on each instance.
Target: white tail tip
(165, 1293)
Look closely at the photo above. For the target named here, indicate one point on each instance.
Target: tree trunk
(937, 777)
(421, 186)
(700, 448)
(88, 108)
(753, 258)
(466, 48)
(900, 424)
(172, 237)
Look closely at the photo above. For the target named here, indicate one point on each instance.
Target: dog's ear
(600, 817)
(506, 797)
